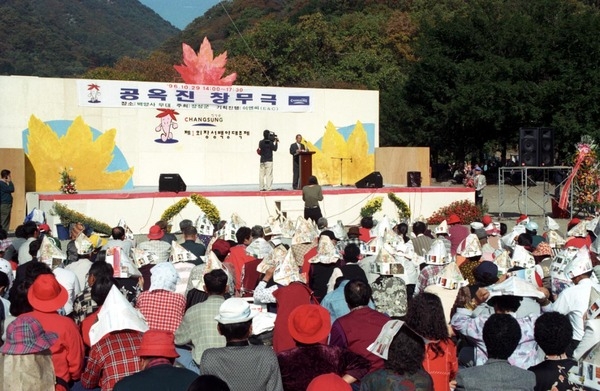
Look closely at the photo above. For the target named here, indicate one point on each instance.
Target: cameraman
(266, 146)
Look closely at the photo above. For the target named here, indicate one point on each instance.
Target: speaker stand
(341, 159)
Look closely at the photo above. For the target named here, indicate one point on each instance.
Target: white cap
(476, 225)
(235, 310)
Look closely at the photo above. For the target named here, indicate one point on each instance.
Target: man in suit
(295, 149)
(501, 334)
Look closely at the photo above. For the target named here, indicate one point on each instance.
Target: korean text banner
(135, 94)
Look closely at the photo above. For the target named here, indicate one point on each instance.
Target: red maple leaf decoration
(203, 68)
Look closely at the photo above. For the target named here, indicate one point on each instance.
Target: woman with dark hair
(311, 195)
(366, 224)
(403, 368)
(425, 313)
(402, 230)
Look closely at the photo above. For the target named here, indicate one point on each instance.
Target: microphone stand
(341, 165)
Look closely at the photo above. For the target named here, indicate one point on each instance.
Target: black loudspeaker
(546, 151)
(529, 146)
(374, 180)
(171, 182)
(413, 179)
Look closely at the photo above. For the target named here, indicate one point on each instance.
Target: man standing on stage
(6, 199)
(479, 183)
(266, 146)
(295, 149)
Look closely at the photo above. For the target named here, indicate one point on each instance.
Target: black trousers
(296, 179)
(313, 213)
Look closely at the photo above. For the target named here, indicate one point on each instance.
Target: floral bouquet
(67, 182)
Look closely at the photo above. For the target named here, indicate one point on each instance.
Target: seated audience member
(84, 305)
(158, 354)
(309, 325)
(199, 327)
(74, 230)
(167, 236)
(31, 233)
(335, 302)
(26, 360)
(46, 232)
(17, 295)
(403, 370)
(358, 329)
(426, 314)
(81, 266)
(366, 224)
(159, 249)
(259, 246)
(350, 270)
(501, 334)
(323, 263)
(160, 305)
(485, 274)
(5, 315)
(47, 296)
(208, 383)
(113, 356)
(99, 292)
(526, 352)
(390, 295)
(553, 333)
(421, 242)
(12, 250)
(190, 234)
(238, 257)
(118, 239)
(242, 366)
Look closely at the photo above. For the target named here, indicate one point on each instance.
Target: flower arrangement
(585, 183)
(466, 210)
(403, 208)
(371, 207)
(174, 209)
(68, 216)
(207, 207)
(67, 182)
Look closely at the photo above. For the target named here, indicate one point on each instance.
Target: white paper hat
(339, 230)
(522, 258)
(555, 240)
(582, 263)
(287, 271)
(579, 230)
(83, 244)
(503, 261)
(203, 225)
(472, 247)
(437, 254)
(123, 267)
(592, 224)
(442, 228)
(128, 232)
(212, 263)
(287, 228)
(272, 259)
(326, 252)
(392, 238)
(595, 248)
(533, 275)
(237, 220)
(552, 224)
(515, 287)
(228, 231)
(386, 264)
(304, 232)
(450, 277)
(381, 227)
(259, 249)
(509, 240)
(116, 314)
(180, 254)
(50, 254)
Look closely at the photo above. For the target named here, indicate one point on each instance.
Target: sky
(180, 13)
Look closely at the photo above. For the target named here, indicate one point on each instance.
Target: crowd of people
(302, 305)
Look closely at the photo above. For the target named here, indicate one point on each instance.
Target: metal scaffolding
(525, 176)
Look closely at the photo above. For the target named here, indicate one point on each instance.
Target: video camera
(273, 137)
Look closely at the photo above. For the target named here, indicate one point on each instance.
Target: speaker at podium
(373, 180)
(171, 182)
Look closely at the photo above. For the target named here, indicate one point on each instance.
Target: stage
(141, 207)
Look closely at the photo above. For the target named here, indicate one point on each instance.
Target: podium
(305, 167)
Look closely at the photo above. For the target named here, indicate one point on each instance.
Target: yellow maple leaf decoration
(357, 162)
(48, 155)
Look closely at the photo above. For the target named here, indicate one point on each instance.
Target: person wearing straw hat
(242, 366)
(158, 354)
(27, 358)
(47, 296)
(309, 325)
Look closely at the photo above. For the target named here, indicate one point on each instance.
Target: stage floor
(141, 207)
